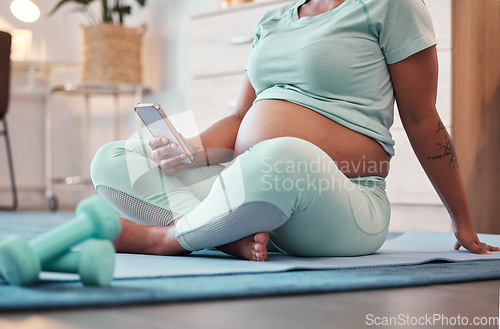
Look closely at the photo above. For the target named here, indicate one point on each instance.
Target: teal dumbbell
(21, 262)
(95, 262)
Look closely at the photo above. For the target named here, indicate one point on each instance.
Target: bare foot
(136, 238)
(253, 247)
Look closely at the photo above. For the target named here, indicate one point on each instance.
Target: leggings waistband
(369, 181)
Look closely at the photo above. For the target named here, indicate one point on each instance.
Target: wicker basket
(111, 53)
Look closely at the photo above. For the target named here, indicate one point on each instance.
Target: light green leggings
(286, 186)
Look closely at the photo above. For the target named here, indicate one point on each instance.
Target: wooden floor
(457, 302)
(429, 305)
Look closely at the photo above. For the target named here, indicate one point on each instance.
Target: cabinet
(220, 43)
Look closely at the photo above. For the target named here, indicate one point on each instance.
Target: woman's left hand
(469, 240)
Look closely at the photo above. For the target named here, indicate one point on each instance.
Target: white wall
(166, 72)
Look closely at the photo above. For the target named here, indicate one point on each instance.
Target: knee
(106, 153)
(105, 161)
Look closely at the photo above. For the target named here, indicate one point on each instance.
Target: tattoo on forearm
(447, 149)
(195, 148)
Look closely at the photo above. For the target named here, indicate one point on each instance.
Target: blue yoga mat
(288, 275)
(49, 295)
(409, 248)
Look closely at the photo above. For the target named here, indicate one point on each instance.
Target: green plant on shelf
(112, 12)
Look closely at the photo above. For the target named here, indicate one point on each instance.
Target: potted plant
(111, 52)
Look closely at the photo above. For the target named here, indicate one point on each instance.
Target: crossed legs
(269, 192)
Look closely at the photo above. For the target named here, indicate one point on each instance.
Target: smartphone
(159, 125)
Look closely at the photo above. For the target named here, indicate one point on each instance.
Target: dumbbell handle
(66, 263)
(95, 262)
(62, 238)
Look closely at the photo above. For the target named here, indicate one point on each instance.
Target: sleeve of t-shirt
(256, 36)
(407, 29)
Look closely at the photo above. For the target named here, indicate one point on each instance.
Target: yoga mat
(60, 295)
(410, 248)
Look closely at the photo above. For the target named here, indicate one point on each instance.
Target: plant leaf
(106, 13)
(59, 4)
(106, 10)
(62, 2)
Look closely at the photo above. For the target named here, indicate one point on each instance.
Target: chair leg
(13, 206)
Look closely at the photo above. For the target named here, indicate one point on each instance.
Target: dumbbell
(21, 262)
(95, 262)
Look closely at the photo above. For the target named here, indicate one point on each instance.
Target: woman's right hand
(168, 164)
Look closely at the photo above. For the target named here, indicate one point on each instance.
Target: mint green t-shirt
(336, 63)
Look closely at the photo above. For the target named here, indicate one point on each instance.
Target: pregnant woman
(308, 145)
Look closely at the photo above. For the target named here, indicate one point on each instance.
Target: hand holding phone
(159, 125)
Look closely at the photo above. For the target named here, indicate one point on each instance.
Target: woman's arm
(415, 88)
(214, 145)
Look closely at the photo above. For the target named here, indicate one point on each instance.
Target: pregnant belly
(355, 154)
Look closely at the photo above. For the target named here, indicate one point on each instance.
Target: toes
(261, 237)
(259, 256)
(251, 247)
(259, 246)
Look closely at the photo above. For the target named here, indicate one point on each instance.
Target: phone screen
(158, 124)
